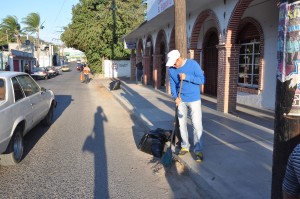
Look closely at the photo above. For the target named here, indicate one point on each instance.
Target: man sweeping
(190, 72)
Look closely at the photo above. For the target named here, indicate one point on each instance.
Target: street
(90, 151)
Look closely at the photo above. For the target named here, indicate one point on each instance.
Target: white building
(234, 41)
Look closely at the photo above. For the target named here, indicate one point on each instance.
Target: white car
(65, 68)
(23, 104)
(40, 73)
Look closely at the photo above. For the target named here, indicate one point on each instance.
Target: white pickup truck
(23, 104)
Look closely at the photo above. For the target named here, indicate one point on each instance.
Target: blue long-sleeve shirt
(191, 85)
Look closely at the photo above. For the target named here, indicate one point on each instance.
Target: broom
(167, 157)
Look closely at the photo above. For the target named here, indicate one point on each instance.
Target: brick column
(233, 58)
(227, 77)
(146, 71)
(157, 71)
(132, 65)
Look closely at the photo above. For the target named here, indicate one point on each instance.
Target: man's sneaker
(183, 151)
(199, 157)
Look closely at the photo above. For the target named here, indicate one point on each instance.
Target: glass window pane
(249, 69)
(255, 79)
(256, 69)
(17, 90)
(249, 49)
(28, 85)
(242, 68)
(249, 59)
(256, 59)
(242, 59)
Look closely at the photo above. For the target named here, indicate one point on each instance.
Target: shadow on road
(95, 144)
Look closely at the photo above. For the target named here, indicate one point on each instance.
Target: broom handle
(175, 116)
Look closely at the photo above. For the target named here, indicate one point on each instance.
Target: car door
(38, 100)
(21, 106)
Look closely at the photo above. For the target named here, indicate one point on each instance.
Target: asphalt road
(90, 151)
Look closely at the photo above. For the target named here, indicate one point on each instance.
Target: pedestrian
(291, 181)
(26, 68)
(190, 73)
(86, 72)
(7, 67)
(139, 71)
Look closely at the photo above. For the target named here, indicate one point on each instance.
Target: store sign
(155, 7)
(130, 45)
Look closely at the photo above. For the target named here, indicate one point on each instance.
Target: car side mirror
(43, 90)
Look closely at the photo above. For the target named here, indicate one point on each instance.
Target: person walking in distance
(7, 67)
(86, 72)
(190, 73)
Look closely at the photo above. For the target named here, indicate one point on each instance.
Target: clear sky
(54, 13)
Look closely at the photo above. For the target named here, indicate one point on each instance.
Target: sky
(54, 13)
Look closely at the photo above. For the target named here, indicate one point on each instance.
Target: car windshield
(2, 90)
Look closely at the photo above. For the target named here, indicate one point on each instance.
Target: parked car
(40, 73)
(52, 71)
(58, 69)
(65, 68)
(23, 104)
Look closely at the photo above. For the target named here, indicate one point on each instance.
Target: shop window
(249, 61)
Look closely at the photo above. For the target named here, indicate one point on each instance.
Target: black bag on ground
(115, 85)
(154, 141)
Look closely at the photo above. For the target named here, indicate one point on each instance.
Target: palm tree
(11, 26)
(33, 25)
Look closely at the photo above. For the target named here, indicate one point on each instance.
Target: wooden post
(180, 27)
(287, 106)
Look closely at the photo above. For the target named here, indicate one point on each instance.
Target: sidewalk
(237, 149)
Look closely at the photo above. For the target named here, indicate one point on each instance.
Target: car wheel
(47, 121)
(14, 152)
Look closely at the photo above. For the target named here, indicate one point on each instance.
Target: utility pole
(287, 106)
(113, 7)
(180, 27)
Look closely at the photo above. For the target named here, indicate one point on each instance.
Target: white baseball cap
(172, 57)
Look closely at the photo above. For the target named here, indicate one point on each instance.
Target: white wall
(115, 69)
(269, 24)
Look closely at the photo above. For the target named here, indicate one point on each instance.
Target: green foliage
(32, 23)
(11, 27)
(97, 26)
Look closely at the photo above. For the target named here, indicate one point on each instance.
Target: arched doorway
(148, 62)
(210, 62)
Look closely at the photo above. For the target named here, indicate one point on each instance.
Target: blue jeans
(196, 117)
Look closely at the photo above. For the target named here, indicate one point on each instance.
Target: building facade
(234, 41)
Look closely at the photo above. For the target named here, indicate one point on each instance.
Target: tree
(33, 26)
(11, 27)
(96, 31)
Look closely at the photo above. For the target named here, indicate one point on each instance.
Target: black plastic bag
(154, 141)
(115, 85)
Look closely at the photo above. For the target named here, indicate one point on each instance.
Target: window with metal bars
(249, 60)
